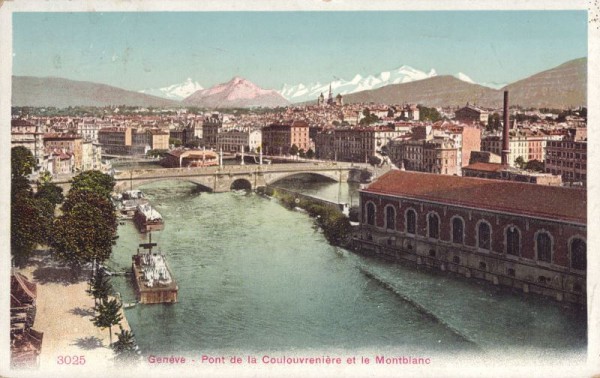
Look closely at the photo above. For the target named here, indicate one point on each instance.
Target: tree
(104, 205)
(258, 149)
(301, 153)
(374, 160)
(310, 154)
(294, 150)
(368, 118)
(125, 347)
(494, 122)
(535, 165)
(50, 192)
(25, 226)
(520, 162)
(22, 162)
(108, 315)
(100, 287)
(192, 144)
(82, 236)
(175, 142)
(93, 181)
(428, 114)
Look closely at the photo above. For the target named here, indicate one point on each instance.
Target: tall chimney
(505, 136)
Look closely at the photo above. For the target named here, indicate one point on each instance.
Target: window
(370, 213)
(433, 226)
(513, 241)
(544, 247)
(578, 254)
(411, 221)
(390, 218)
(484, 233)
(457, 230)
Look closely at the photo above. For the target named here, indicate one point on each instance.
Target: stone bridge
(228, 177)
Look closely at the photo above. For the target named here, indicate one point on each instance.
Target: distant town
(546, 146)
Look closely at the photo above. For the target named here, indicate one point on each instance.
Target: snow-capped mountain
(404, 74)
(238, 92)
(464, 77)
(175, 91)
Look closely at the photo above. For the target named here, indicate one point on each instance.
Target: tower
(330, 97)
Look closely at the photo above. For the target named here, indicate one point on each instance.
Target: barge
(147, 219)
(153, 280)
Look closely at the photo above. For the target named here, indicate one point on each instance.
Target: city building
(184, 157)
(29, 135)
(521, 144)
(235, 140)
(353, 144)
(71, 144)
(471, 114)
(278, 138)
(530, 237)
(498, 171)
(567, 158)
(211, 127)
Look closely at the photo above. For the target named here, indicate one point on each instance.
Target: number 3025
(70, 360)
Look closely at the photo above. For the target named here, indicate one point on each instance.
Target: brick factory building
(525, 236)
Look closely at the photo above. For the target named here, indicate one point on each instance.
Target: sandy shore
(64, 313)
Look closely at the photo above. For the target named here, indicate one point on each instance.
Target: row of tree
(83, 233)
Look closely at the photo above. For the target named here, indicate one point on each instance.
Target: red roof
(544, 201)
(487, 167)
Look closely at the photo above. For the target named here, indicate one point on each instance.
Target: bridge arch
(240, 184)
(137, 183)
(330, 176)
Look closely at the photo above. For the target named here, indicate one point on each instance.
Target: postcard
(325, 188)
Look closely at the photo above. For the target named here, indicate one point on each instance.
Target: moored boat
(146, 218)
(153, 280)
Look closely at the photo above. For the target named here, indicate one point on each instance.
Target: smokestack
(505, 136)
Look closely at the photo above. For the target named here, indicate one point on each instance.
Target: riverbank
(64, 313)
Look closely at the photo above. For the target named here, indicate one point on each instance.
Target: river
(254, 276)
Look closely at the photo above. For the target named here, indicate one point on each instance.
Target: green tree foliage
(25, 227)
(93, 181)
(369, 118)
(535, 165)
(22, 162)
(302, 153)
(156, 153)
(108, 315)
(310, 154)
(81, 235)
(374, 160)
(100, 287)
(428, 114)
(520, 162)
(99, 202)
(175, 142)
(294, 150)
(494, 122)
(125, 347)
(192, 144)
(50, 192)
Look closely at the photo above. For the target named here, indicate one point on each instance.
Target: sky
(155, 49)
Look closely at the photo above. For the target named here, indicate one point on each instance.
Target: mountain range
(62, 93)
(237, 93)
(176, 91)
(560, 87)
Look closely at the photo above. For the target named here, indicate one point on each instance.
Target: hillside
(62, 93)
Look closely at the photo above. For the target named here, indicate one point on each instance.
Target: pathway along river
(254, 276)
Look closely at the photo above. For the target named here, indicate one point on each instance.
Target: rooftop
(559, 203)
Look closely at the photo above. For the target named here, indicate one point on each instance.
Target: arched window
(458, 227)
(390, 218)
(484, 235)
(433, 226)
(513, 241)
(371, 213)
(411, 221)
(543, 247)
(578, 254)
